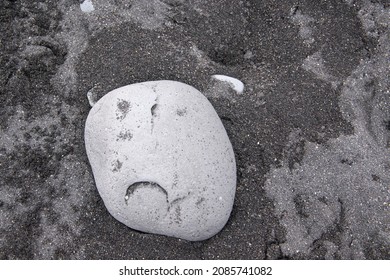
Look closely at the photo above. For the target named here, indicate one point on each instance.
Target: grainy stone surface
(162, 160)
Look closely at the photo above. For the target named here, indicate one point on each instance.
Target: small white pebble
(91, 98)
(87, 6)
(236, 84)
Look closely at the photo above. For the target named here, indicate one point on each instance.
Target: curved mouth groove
(144, 184)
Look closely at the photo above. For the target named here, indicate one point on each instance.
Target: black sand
(311, 132)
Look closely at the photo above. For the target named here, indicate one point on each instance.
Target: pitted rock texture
(162, 160)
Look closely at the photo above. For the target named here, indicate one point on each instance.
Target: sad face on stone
(162, 160)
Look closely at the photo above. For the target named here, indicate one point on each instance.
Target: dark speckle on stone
(123, 108)
(117, 165)
(153, 109)
(178, 219)
(125, 135)
(199, 201)
(181, 112)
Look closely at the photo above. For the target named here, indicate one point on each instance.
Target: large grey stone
(162, 160)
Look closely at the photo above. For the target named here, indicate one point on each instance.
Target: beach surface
(310, 131)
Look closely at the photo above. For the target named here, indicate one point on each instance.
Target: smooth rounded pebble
(162, 160)
(235, 84)
(87, 6)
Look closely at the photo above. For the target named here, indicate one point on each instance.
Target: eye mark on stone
(124, 135)
(154, 112)
(200, 201)
(123, 108)
(117, 165)
(181, 112)
(144, 184)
